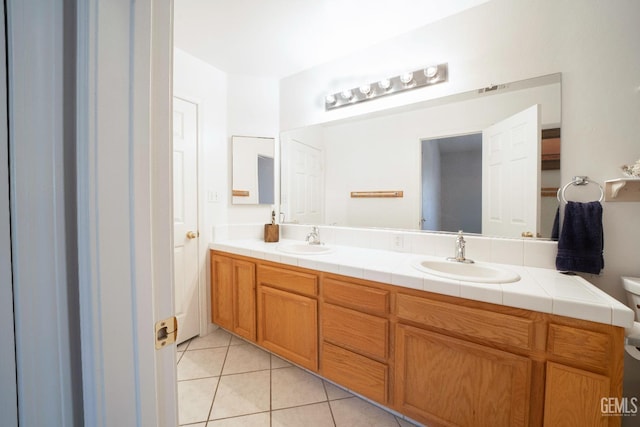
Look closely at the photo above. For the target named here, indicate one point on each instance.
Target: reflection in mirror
(253, 170)
(321, 165)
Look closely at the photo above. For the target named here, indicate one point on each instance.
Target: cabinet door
(222, 291)
(451, 382)
(244, 299)
(288, 325)
(573, 397)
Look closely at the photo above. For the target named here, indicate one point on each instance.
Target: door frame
(8, 380)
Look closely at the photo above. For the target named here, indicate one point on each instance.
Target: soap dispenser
(272, 231)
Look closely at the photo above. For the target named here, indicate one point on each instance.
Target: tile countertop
(539, 289)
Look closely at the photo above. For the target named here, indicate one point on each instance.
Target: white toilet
(632, 287)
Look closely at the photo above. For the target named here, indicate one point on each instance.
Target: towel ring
(578, 180)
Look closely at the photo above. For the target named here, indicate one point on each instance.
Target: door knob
(192, 234)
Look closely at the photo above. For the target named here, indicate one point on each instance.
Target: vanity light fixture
(384, 84)
(347, 94)
(428, 76)
(430, 72)
(406, 78)
(365, 89)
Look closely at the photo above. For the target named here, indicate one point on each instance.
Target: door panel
(511, 148)
(185, 217)
(304, 183)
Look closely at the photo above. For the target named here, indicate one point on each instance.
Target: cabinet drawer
(472, 322)
(358, 297)
(363, 333)
(355, 372)
(579, 345)
(290, 280)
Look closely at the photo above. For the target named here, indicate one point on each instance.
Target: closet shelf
(622, 190)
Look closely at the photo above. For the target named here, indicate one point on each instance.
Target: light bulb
(431, 72)
(347, 94)
(384, 84)
(406, 78)
(365, 89)
(330, 99)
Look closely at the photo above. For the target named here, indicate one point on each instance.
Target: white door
(511, 175)
(185, 217)
(303, 187)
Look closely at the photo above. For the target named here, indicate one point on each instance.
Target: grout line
(215, 393)
(324, 386)
(270, 390)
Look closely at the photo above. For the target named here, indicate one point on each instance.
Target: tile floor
(224, 381)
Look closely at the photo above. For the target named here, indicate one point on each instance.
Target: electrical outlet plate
(398, 242)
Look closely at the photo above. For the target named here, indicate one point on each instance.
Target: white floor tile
(195, 398)
(355, 412)
(237, 341)
(246, 358)
(201, 363)
(316, 415)
(293, 387)
(217, 338)
(277, 362)
(241, 394)
(255, 420)
(334, 392)
(236, 384)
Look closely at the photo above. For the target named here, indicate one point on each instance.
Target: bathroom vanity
(436, 358)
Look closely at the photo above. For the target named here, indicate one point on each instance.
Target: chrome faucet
(459, 250)
(313, 238)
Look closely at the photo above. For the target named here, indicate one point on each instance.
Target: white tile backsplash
(507, 251)
(540, 253)
(527, 252)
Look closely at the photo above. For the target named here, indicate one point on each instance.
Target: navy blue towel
(581, 238)
(555, 230)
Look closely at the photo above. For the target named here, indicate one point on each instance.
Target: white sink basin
(479, 273)
(304, 249)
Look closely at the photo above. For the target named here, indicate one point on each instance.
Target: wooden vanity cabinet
(441, 360)
(355, 334)
(288, 313)
(585, 365)
(233, 295)
(468, 363)
(446, 374)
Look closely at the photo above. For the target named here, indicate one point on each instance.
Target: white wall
(252, 110)
(199, 82)
(593, 44)
(228, 105)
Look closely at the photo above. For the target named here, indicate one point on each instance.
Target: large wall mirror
(253, 173)
(468, 161)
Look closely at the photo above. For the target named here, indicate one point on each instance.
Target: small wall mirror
(253, 176)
